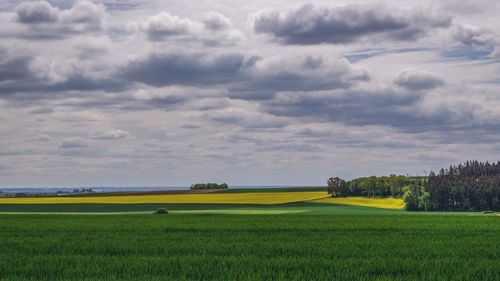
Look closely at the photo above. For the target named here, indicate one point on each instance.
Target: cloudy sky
(149, 92)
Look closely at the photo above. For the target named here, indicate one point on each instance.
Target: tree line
(209, 185)
(382, 186)
(472, 186)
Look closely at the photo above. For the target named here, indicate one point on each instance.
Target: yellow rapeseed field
(385, 203)
(207, 198)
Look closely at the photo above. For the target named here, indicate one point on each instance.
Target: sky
(275, 92)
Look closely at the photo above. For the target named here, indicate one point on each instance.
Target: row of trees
(209, 185)
(472, 186)
(373, 186)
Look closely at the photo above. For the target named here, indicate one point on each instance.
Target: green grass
(305, 246)
(113, 207)
(310, 208)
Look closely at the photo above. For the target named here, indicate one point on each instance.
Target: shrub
(161, 211)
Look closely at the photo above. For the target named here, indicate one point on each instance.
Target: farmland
(249, 247)
(292, 234)
(264, 198)
(385, 203)
(296, 200)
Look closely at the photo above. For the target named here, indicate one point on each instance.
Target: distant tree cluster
(83, 190)
(393, 185)
(209, 186)
(473, 186)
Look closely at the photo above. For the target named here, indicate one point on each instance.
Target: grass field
(295, 234)
(249, 247)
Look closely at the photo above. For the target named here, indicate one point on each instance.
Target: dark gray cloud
(473, 35)
(383, 107)
(14, 69)
(418, 80)
(27, 86)
(187, 69)
(39, 20)
(36, 13)
(15, 73)
(405, 111)
(309, 24)
(19, 79)
(246, 77)
(296, 73)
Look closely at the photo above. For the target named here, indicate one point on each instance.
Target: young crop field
(249, 247)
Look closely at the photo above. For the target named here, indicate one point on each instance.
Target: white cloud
(72, 142)
(213, 29)
(43, 137)
(114, 134)
(418, 80)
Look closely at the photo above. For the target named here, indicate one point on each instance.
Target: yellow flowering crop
(207, 198)
(385, 203)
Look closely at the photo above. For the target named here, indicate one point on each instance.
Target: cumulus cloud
(43, 137)
(245, 76)
(384, 106)
(41, 21)
(23, 74)
(473, 36)
(418, 80)
(72, 142)
(296, 73)
(310, 24)
(14, 68)
(437, 111)
(186, 69)
(114, 134)
(36, 12)
(213, 29)
(165, 25)
(216, 21)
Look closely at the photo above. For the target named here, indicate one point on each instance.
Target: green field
(303, 240)
(249, 247)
